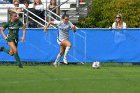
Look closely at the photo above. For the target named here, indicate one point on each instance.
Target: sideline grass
(69, 79)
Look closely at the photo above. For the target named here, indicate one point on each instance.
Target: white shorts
(59, 41)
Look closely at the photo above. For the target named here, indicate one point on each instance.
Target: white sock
(66, 52)
(58, 58)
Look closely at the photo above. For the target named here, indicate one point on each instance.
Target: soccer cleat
(54, 64)
(20, 66)
(1, 48)
(65, 61)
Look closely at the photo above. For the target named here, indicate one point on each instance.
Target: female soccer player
(63, 26)
(13, 26)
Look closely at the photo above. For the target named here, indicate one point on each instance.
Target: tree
(104, 12)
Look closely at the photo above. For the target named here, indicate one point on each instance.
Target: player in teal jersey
(13, 26)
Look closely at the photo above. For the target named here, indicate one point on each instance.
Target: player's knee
(11, 53)
(68, 45)
(15, 51)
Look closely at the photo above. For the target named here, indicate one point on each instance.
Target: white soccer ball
(96, 65)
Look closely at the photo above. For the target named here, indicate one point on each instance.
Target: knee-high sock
(6, 50)
(66, 52)
(58, 58)
(17, 58)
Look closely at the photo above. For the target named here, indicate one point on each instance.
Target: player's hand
(110, 27)
(22, 39)
(45, 29)
(5, 38)
(74, 28)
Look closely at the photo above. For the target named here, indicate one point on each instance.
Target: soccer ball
(96, 65)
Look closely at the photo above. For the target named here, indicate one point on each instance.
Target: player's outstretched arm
(24, 33)
(2, 32)
(73, 27)
(49, 23)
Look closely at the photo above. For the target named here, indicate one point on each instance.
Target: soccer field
(69, 79)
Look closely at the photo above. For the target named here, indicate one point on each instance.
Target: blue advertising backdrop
(88, 45)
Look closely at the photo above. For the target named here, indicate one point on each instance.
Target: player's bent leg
(65, 55)
(57, 60)
(66, 43)
(68, 46)
(18, 60)
(8, 51)
(62, 50)
(16, 56)
(11, 52)
(4, 50)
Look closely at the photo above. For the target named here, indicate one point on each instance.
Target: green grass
(69, 79)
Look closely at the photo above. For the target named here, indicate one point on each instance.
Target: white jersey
(63, 28)
(114, 25)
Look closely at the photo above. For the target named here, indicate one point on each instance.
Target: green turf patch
(69, 79)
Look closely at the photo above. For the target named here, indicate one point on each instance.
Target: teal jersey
(13, 28)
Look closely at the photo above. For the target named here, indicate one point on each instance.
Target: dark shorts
(13, 40)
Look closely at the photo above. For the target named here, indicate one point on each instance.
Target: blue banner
(88, 45)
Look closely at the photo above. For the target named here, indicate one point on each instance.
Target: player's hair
(121, 19)
(34, 3)
(64, 15)
(26, 2)
(54, 3)
(15, 1)
(12, 13)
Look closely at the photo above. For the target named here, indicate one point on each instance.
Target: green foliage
(104, 11)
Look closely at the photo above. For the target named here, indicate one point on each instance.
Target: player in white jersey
(63, 26)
